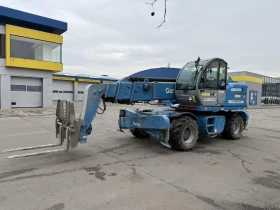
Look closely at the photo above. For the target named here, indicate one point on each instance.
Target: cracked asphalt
(114, 170)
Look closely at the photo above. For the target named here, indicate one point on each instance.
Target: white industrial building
(31, 63)
(71, 87)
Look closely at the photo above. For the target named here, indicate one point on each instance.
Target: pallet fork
(67, 130)
(70, 130)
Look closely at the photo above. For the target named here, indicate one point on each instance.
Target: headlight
(192, 98)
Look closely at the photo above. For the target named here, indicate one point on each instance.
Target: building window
(55, 91)
(80, 92)
(33, 49)
(34, 88)
(18, 88)
(2, 46)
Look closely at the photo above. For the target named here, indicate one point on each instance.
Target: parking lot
(115, 170)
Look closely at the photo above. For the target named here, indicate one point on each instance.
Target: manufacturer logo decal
(205, 94)
(236, 102)
(236, 89)
(167, 90)
(136, 124)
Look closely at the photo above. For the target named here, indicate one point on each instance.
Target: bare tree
(153, 12)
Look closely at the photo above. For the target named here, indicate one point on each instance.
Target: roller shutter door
(81, 88)
(26, 92)
(63, 90)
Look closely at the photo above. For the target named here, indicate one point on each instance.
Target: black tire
(233, 128)
(140, 133)
(182, 128)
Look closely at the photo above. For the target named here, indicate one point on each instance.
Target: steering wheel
(211, 78)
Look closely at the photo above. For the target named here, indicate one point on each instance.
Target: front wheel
(183, 133)
(233, 128)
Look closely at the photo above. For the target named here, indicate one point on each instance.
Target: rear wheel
(183, 133)
(233, 128)
(140, 133)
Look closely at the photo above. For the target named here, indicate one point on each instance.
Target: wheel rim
(237, 127)
(188, 135)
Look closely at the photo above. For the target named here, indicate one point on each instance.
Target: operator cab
(202, 83)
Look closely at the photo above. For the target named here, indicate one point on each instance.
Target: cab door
(222, 82)
(212, 83)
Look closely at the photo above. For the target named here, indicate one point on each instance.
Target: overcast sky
(120, 37)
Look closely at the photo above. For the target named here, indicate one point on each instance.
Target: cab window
(222, 76)
(209, 78)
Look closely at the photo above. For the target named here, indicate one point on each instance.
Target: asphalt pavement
(115, 170)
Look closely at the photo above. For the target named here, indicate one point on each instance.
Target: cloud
(120, 37)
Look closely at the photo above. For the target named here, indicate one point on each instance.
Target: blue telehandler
(203, 101)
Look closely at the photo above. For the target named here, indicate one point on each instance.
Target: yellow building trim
(89, 80)
(76, 83)
(40, 65)
(32, 34)
(8, 48)
(246, 78)
(64, 78)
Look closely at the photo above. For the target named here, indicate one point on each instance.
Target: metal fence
(270, 91)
